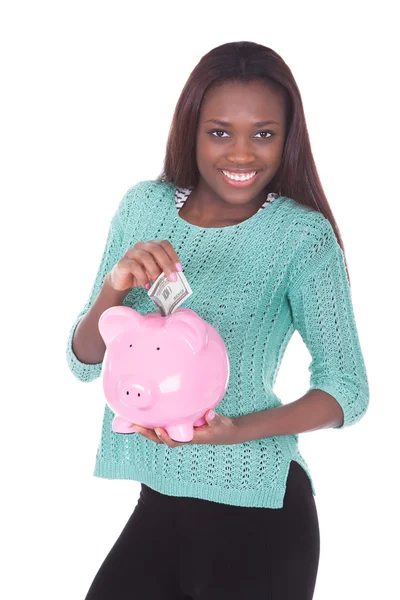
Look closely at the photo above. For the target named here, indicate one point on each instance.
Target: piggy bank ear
(187, 324)
(118, 319)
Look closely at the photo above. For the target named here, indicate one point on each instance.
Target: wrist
(252, 426)
(239, 434)
(117, 295)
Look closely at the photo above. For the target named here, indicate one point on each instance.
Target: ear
(118, 319)
(187, 324)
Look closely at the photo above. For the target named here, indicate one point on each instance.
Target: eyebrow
(227, 124)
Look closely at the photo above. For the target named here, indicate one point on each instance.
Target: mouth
(239, 179)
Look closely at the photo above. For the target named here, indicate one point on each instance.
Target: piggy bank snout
(134, 392)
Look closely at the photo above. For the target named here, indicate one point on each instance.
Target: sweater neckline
(262, 213)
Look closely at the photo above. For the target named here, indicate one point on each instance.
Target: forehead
(232, 100)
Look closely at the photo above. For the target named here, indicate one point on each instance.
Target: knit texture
(256, 282)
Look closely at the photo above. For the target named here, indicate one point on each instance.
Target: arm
(85, 346)
(315, 410)
(322, 311)
(87, 343)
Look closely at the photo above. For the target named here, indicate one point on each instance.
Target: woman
(239, 205)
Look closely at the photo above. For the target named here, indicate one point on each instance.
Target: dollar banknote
(169, 295)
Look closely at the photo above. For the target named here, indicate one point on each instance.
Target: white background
(88, 93)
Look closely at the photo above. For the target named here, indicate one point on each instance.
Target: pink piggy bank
(162, 371)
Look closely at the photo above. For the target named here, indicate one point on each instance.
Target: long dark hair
(297, 176)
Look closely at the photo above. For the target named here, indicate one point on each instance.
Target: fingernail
(172, 276)
(178, 266)
(211, 414)
(147, 286)
(135, 430)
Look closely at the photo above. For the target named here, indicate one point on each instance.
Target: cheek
(279, 146)
(207, 157)
(207, 153)
(272, 155)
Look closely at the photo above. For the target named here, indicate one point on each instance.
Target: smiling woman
(249, 92)
(260, 247)
(236, 167)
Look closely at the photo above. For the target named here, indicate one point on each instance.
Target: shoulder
(146, 187)
(142, 192)
(307, 226)
(311, 239)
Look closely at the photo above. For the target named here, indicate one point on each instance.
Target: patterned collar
(182, 194)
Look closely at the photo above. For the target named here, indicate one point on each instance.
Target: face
(241, 128)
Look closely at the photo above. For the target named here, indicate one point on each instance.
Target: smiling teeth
(237, 177)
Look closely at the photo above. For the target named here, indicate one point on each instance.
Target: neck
(206, 207)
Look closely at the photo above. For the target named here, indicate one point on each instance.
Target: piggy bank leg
(200, 422)
(180, 433)
(121, 425)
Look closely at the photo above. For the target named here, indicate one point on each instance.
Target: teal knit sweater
(256, 282)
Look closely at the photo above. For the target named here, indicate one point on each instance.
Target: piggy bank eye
(158, 348)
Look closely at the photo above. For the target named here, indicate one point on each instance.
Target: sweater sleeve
(323, 314)
(112, 252)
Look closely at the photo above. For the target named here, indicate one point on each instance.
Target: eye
(271, 133)
(217, 131)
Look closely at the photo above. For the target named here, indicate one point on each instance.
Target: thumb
(210, 416)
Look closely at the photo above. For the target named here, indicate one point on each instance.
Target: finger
(164, 437)
(136, 268)
(149, 265)
(169, 249)
(210, 415)
(147, 433)
(165, 255)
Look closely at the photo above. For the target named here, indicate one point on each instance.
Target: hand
(142, 263)
(217, 430)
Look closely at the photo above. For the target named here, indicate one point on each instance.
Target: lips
(238, 183)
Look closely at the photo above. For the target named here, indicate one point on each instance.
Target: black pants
(178, 548)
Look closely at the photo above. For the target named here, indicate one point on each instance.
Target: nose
(134, 392)
(240, 154)
(241, 148)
